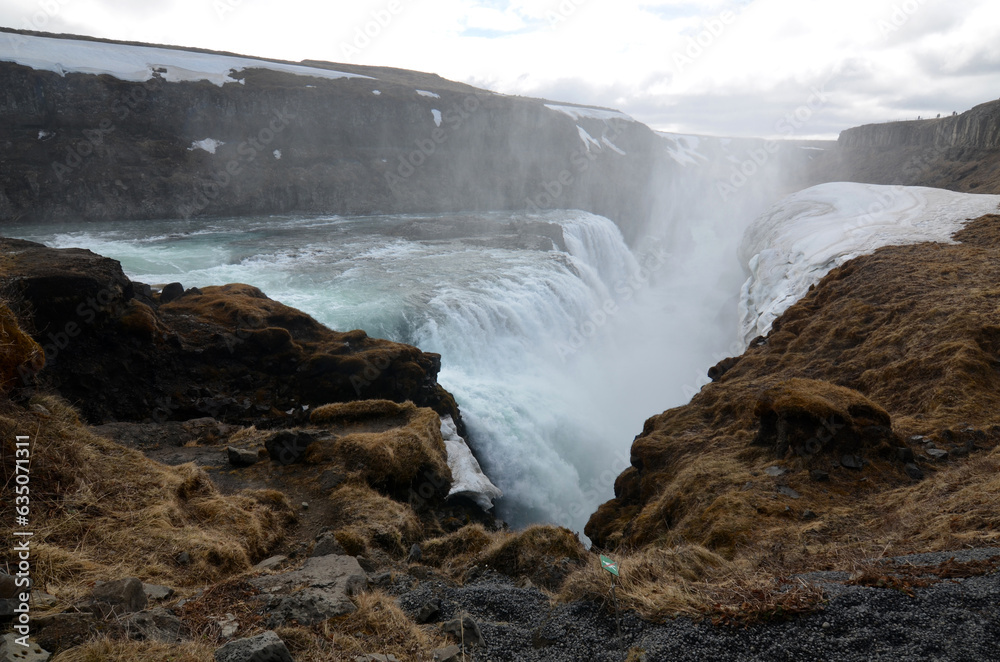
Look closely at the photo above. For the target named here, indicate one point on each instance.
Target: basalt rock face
(227, 352)
(84, 146)
(959, 152)
(979, 127)
(888, 367)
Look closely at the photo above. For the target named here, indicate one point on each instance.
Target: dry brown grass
(102, 511)
(379, 626)
(541, 553)
(364, 516)
(389, 445)
(19, 353)
(112, 650)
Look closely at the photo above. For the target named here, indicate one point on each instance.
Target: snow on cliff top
(806, 235)
(137, 63)
(576, 112)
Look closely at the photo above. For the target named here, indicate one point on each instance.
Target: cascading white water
(556, 358)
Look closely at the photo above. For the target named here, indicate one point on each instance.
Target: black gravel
(952, 620)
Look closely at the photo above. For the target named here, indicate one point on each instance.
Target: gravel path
(952, 620)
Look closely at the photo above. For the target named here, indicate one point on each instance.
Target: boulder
(119, 597)
(157, 592)
(326, 544)
(11, 651)
(241, 457)
(320, 589)
(153, 625)
(266, 647)
(464, 631)
(171, 292)
(429, 612)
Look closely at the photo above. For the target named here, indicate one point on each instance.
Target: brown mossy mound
(899, 343)
(361, 411)
(543, 554)
(101, 511)
(20, 356)
(457, 547)
(405, 447)
(807, 418)
(227, 352)
(656, 582)
(365, 518)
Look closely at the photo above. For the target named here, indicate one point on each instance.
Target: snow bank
(138, 63)
(425, 93)
(804, 236)
(576, 112)
(467, 478)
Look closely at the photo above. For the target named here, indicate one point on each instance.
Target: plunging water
(556, 357)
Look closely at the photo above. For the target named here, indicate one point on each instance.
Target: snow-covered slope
(806, 235)
(467, 478)
(138, 63)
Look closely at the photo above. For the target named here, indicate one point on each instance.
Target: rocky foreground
(217, 476)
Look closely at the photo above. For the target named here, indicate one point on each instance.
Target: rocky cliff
(124, 353)
(959, 153)
(89, 146)
(979, 127)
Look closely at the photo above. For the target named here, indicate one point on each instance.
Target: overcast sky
(725, 67)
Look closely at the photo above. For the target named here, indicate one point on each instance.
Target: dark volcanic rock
(119, 597)
(266, 647)
(228, 353)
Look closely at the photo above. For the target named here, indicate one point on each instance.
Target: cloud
(670, 63)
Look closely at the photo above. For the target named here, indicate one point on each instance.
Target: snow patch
(43, 134)
(467, 477)
(577, 112)
(377, 93)
(208, 144)
(803, 237)
(614, 147)
(683, 149)
(587, 139)
(277, 154)
(138, 63)
(437, 116)
(425, 93)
